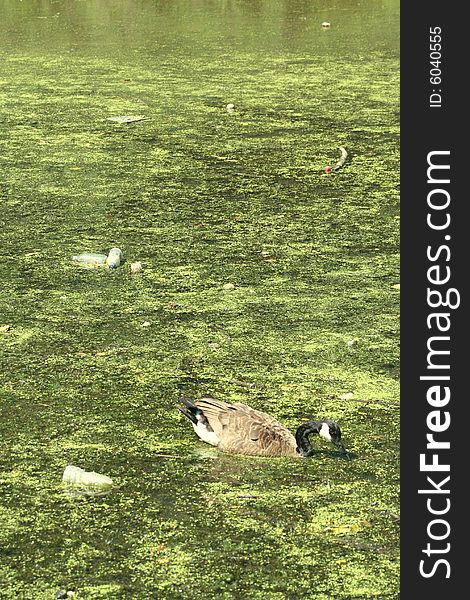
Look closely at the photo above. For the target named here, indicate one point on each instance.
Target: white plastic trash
(114, 258)
(91, 259)
(85, 479)
(136, 267)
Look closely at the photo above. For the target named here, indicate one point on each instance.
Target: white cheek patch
(325, 432)
(207, 436)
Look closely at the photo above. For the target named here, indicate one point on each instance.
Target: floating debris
(326, 25)
(352, 343)
(346, 396)
(342, 160)
(244, 383)
(228, 287)
(114, 258)
(230, 106)
(94, 259)
(87, 483)
(90, 259)
(340, 163)
(5, 328)
(146, 324)
(127, 119)
(136, 267)
(396, 286)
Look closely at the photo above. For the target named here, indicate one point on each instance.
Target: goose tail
(199, 422)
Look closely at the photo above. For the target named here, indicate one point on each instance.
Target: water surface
(202, 197)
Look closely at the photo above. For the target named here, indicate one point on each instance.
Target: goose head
(329, 430)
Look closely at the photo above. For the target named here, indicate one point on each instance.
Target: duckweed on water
(203, 197)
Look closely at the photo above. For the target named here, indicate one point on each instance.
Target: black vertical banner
(434, 293)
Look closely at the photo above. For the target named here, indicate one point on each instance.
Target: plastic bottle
(90, 258)
(87, 479)
(114, 258)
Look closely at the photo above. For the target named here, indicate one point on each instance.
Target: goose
(240, 429)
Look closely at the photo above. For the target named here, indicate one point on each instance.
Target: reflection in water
(169, 27)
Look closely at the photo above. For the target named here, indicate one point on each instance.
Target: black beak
(339, 444)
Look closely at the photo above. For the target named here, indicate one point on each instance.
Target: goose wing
(244, 430)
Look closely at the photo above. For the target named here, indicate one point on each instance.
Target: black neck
(304, 448)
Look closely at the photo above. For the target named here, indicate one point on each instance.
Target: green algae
(202, 197)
